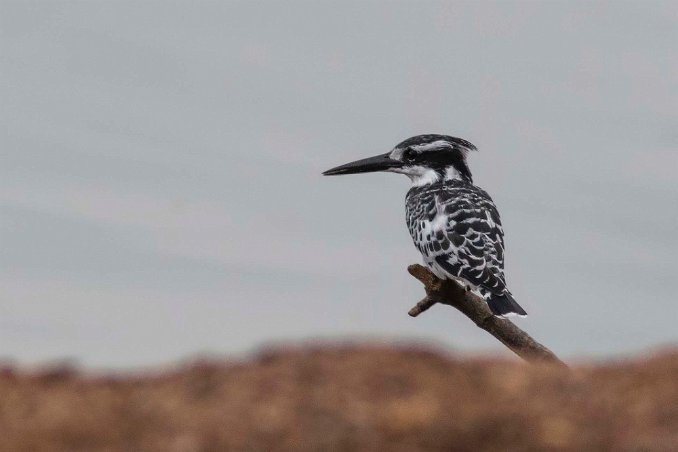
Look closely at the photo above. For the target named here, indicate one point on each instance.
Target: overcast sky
(160, 187)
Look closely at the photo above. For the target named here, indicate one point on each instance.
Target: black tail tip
(504, 305)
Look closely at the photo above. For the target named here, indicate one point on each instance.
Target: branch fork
(451, 293)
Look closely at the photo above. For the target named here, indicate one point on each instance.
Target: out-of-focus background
(160, 187)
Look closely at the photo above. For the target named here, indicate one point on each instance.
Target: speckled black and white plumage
(456, 228)
(453, 223)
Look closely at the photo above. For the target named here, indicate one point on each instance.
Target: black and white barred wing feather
(458, 231)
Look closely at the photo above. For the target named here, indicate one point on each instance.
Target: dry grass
(348, 399)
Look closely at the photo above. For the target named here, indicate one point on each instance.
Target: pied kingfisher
(454, 224)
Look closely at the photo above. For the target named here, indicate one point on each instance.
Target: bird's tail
(504, 305)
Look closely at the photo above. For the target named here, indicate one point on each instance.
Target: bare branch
(451, 293)
(422, 306)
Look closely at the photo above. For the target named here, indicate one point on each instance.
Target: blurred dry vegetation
(347, 398)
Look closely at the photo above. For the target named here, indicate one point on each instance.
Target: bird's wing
(473, 229)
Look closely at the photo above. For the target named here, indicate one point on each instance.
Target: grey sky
(160, 188)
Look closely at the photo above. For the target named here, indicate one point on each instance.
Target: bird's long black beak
(369, 165)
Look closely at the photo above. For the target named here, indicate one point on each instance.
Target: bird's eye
(408, 155)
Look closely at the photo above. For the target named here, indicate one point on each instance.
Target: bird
(453, 223)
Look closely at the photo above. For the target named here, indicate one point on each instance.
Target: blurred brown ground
(348, 398)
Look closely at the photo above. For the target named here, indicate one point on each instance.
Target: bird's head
(424, 158)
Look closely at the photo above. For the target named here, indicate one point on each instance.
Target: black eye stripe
(441, 157)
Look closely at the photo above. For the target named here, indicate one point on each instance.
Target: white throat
(426, 177)
(420, 175)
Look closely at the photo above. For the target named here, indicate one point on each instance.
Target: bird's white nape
(451, 173)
